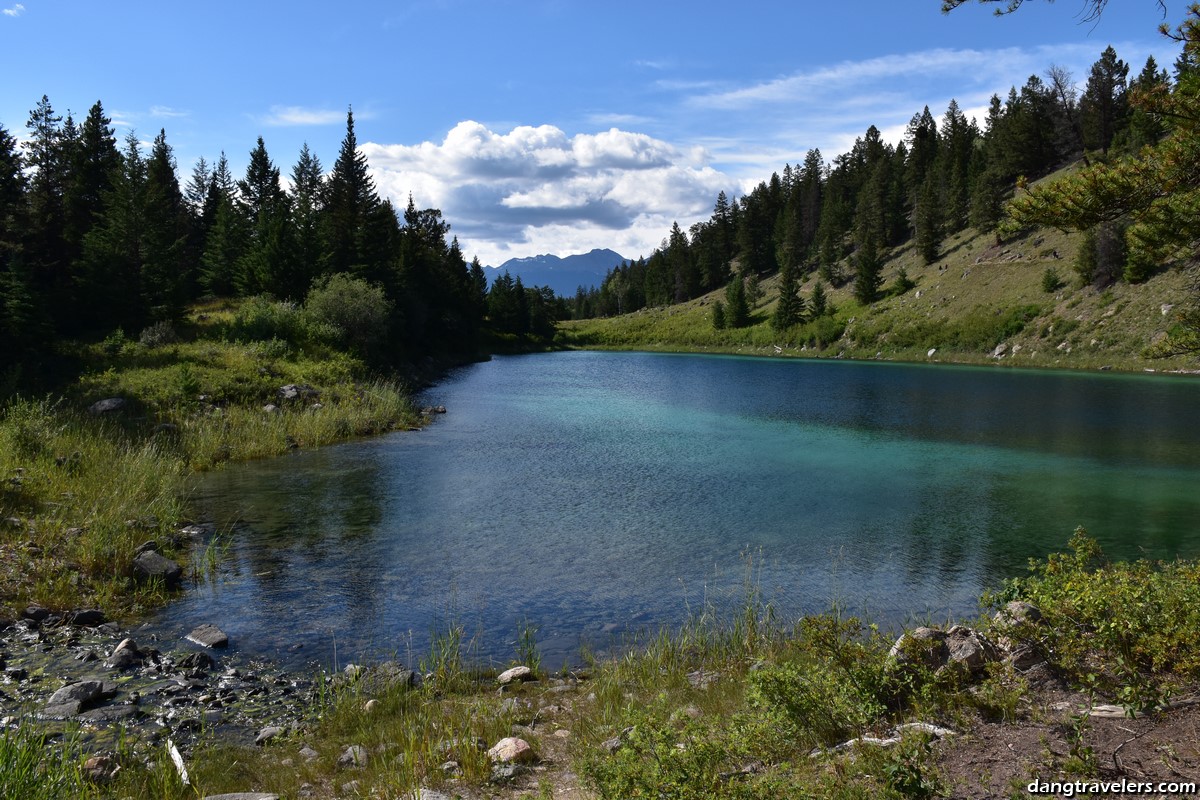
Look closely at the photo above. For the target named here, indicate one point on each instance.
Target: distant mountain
(563, 275)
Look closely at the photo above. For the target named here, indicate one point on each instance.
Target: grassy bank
(977, 297)
(742, 704)
(82, 490)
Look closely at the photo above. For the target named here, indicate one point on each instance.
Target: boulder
(924, 646)
(208, 635)
(267, 734)
(109, 405)
(353, 756)
(514, 675)
(294, 391)
(201, 661)
(969, 648)
(150, 566)
(82, 692)
(86, 617)
(35, 613)
(1018, 611)
(511, 750)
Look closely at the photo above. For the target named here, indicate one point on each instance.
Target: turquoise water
(596, 494)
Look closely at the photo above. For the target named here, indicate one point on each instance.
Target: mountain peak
(562, 274)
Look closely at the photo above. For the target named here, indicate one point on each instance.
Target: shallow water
(595, 494)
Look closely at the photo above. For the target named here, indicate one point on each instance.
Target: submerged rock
(208, 635)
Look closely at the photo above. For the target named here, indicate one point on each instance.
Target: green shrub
(262, 319)
(352, 309)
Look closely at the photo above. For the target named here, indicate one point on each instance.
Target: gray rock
(109, 714)
(86, 617)
(425, 794)
(923, 646)
(353, 756)
(515, 674)
(294, 391)
(35, 612)
(109, 405)
(82, 692)
(201, 661)
(267, 734)
(271, 408)
(209, 635)
(970, 648)
(308, 754)
(150, 566)
(61, 710)
(124, 658)
(1018, 611)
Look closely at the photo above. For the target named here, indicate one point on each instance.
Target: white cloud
(539, 190)
(287, 116)
(166, 111)
(14, 11)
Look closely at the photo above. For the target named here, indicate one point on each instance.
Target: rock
(271, 408)
(35, 612)
(101, 768)
(82, 692)
(425, 794)
(61, 710)
(1024, 657)
(267, 734)
(294, 391)
(150, 566)
(150, 546)
(969, 648)
(932, 350)
(515, 674)
(242, 796)
(201, 661)
(370, 705)
(505, 772)
(109, 405)
(1165, 308)
(511, 750)
(124, 658)
(86, 617)
(614, 744)
(353, 756)
(208, 635)
(109, 714)
(924, 646)
(385, 676)
(1018, 611)
(1000, 350)
(701, 679)
(308, 754)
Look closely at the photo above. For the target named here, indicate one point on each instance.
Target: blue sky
(547, 126)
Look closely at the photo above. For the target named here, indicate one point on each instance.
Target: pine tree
(308, 186)
(1104, 105)
(869, 276)
(789, 309)
(267, 256)
(350, 200)
(46, 158)
(114, 249)
(927, 218)
(1145, 126)
(166, 274)
(737, 312)
(23, 318)
(819, 302)
(96, 161)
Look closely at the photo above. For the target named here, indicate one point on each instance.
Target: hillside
(979, 303)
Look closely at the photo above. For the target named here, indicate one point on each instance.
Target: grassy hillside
(978, 296)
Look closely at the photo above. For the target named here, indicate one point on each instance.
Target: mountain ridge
(563, 274)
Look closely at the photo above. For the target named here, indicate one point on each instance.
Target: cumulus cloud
(14, 11)
(539, 190)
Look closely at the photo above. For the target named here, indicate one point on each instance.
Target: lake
(591, 495)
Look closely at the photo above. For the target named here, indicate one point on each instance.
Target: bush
(1051, 282)
(261, 319)
(353, 310)
(158, 334)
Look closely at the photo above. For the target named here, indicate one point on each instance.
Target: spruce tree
(167, 276)
(789, 309)
(819, 302)
(350, 199)
(267, 256)
(868, 278)
(737, 312)
(308, 186)
(1104, 105)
